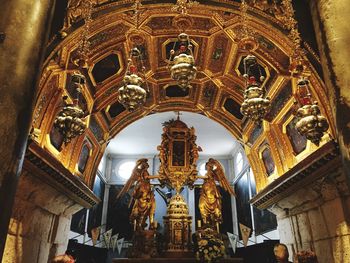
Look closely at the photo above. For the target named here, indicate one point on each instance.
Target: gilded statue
(143, 195)
(210, 203)
(194, 148)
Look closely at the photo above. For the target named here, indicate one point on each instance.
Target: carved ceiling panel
(215, 29)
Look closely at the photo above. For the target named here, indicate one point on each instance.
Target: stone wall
(317, 218)
(40, 222)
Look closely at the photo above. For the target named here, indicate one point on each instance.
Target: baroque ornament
(178, 155)
(182, 62)
(182, 6)
(70, 120)
(255, 104)
(144, 206)
(132, 95)
(311, 123)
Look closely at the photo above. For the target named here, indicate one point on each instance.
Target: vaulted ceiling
(216, 30)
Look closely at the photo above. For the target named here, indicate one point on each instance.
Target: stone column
(25, 25)
(333, 38)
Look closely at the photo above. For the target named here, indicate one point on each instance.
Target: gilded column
(333, 39)
(25, 27)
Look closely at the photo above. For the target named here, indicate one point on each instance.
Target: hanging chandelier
(70, 121)
(132, 95)
(255, 104)
(311, 123)
(182, 64)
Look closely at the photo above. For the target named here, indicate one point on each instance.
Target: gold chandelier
(255, 104)
(70, 120)
(132, 95)
(311, 123)
(182, 62)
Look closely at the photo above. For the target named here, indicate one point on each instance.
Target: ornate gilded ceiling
(215, 28)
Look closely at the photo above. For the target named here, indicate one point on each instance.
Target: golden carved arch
(216, 80)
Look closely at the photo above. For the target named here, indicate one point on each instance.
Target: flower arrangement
(210, 246)
(306, 256)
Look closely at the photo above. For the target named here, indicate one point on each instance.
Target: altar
(178, 155)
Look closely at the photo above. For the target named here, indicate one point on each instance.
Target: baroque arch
(57, 178)
(216, 30)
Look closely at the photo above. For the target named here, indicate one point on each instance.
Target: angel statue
(210, 197)
(143, 195)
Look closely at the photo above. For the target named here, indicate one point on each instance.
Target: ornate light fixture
(255, 104)
(182, 64)
(70, 120)
(311, 123)
(132, 95)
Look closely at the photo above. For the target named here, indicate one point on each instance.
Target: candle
(199, 224)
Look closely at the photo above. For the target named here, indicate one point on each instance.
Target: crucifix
(178, 114)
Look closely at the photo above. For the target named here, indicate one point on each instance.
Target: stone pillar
(25, 25)
(316, 217)
(333, 38)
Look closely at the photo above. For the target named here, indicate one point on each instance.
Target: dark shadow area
(87, 254)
